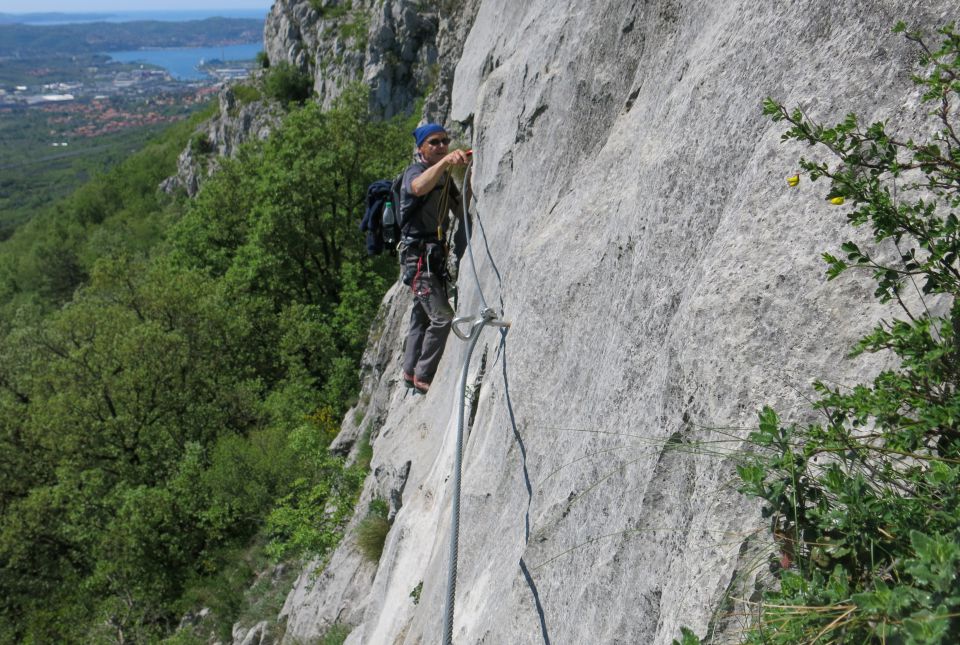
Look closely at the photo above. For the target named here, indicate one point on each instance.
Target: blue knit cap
(424, 131)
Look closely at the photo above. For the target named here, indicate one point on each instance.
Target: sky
(94, 6)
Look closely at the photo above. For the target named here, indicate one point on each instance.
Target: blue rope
(526, 480)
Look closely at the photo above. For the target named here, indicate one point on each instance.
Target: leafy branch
(864, 507)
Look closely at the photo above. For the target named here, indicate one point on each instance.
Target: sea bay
(182, 62)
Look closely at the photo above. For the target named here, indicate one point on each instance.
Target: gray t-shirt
(421, 215)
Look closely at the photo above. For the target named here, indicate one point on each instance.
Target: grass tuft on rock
(373, 529)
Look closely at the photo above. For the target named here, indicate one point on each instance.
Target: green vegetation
(287, 84)
(364, 451)
(356, 30)
(865, 506)
(200, 144)
(34, 174)
(50, 67)
(171, 373)
(263, 60)
(373, 529)
(344, 21)
(416, 592)
(246, 587)
(336, 635)
(331, 11)
(245, 93)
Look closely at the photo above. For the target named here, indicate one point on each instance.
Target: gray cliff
(663, 283)
(389, 44)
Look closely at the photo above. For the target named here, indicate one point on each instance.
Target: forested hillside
(171, 372)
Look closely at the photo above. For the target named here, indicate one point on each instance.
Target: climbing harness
(487, 316)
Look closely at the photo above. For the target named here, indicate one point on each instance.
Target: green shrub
(310, 518)
(263, 60)
(356, 30)
(200, 144)
(246, 93)
(331, 11)
(865, 506)
(336, 635)
(416, 592)
(287, 84)
(364, 452)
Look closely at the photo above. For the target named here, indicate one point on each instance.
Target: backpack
(382, 221)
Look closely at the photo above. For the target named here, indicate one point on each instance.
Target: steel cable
(487, 317)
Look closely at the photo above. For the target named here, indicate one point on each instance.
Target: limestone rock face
(326, 39)
(663, 283)
(259, 634)
(389, 44)
(454, 27)
(238, 122)
(290, 33)
(401, 56)
(235, 123)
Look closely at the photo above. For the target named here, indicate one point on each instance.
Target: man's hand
(429, 178)
(456, 158)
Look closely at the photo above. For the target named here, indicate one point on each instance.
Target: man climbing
(427, 196)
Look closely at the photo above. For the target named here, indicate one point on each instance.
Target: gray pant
(429, 325)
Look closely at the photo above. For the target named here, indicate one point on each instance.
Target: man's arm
(428, 179)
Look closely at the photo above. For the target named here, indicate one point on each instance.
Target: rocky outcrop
(290, 33)
(325, 39)
(241, 121)
(663, 283)
(455, 25)
(259, 634)
(388, 44)
(402, 61)
(236, 122)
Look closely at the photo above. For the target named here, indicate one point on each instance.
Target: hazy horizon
(102, 6)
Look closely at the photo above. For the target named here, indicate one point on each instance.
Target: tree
(281, 222)
(166, 403)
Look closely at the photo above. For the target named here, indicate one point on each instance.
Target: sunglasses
(445, 141)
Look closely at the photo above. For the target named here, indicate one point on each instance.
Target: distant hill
(29, 41)
(17, 18)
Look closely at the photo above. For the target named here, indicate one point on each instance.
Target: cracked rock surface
(236, 122)
(663, 283)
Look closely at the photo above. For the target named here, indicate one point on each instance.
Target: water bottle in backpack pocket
(390, 227)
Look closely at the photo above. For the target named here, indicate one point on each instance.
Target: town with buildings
(117, 80)
(114, 96)
(58, 87)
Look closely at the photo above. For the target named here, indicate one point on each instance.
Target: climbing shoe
(408, 379)
(421, 386)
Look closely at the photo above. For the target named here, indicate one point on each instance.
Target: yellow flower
(793, 181)
(836, 201)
